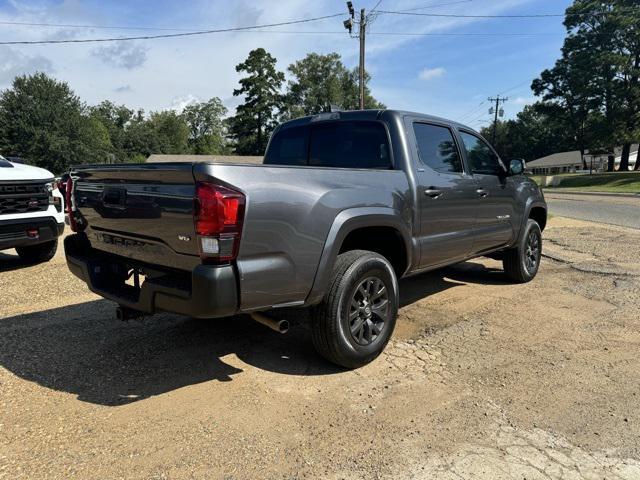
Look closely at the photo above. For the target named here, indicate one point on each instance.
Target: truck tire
(355, 320)
(521, 263)
(43, 252)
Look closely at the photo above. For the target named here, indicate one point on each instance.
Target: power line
(473, 111)
(514, 87)
(96, 27)
(169, 35)
(407, 34)
(435, 5)
(457, 15)
(376, 7)
(167, 29)
(471, 34)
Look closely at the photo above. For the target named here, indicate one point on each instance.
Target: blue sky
(432, 72)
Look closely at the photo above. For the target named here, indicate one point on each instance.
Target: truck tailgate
(144, 212)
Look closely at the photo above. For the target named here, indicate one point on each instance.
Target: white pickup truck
(31, 211)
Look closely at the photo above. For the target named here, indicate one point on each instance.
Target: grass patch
(604, 182)
(616, 182)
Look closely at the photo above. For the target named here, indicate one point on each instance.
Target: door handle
(482, 192)
(433, 192)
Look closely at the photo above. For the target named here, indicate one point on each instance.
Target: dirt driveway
(482, 380)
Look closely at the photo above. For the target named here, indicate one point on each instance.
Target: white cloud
(431, 73)
(122, 54)
(179, 103)
(14, 63)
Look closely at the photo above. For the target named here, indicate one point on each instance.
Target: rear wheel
(43, 252)
(521, 263)
(355, 320)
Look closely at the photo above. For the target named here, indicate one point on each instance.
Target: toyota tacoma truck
(31, 211)
(344, 204)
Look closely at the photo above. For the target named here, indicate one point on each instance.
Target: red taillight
(68, 207)
(218, 219)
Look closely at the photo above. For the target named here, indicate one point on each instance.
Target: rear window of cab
(343, 144)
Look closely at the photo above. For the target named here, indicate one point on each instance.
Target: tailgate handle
(114, 197)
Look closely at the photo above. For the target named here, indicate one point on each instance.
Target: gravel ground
(482, 379)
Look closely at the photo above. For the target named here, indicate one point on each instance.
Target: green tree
(352, 92)
(170, 132)
(320, 82)
(597, 79)
(256, 117)
(96, 146)
(568, 86)
(206, 127)
(607, 32)
(41, 121)
(537, 131)
(115, 119)
(141, 139)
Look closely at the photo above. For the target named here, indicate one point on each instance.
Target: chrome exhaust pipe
(280, 326)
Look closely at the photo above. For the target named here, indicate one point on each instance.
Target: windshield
(4, 163)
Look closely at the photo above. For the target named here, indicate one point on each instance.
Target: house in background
(565, 162)
(571, 162)
(204, 158)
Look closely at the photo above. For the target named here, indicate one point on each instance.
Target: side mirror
(516, 167)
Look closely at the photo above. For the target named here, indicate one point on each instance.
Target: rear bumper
(13, 233)
(206, 292)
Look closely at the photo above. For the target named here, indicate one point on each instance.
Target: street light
(348, 24)
(352, 11)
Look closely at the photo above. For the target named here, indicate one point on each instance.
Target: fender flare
(346, 222)
(530, 205)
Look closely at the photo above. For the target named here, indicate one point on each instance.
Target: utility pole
(362, 31)
(497, 111)
(363, 28)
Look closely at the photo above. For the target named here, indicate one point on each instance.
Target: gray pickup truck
(344, 205)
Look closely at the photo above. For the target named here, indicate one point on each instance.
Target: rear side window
(482, 159)
(349, 145)
(346, 144)
(436, 148)
(289, 147)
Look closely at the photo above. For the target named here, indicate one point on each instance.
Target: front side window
(349, 144)
(436, 148)
(482, 159)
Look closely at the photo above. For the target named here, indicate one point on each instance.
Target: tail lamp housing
(75, 224)
(218, 216)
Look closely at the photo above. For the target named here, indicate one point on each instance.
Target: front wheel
(355, 320)
(521, 263)
(42, 252)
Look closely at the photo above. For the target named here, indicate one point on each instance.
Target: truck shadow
(81, 349)
(10, 262)
(415, 288)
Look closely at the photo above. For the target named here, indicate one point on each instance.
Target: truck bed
(145, 213)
